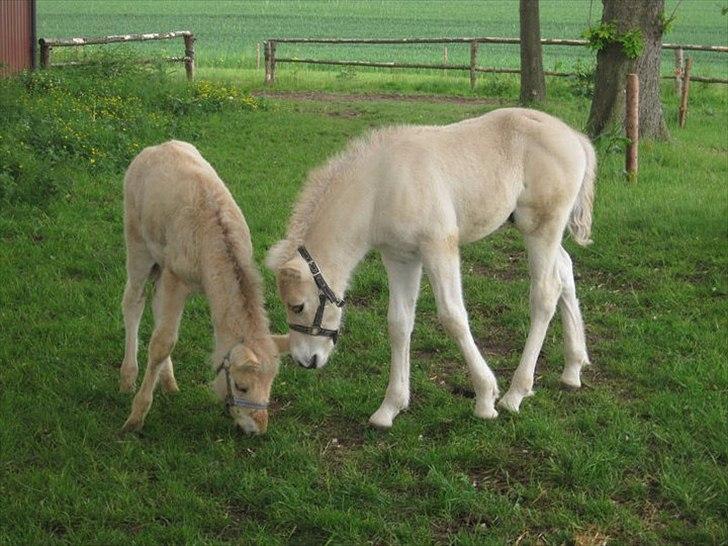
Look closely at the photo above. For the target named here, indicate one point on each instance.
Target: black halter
(325, 294)
(230, 398)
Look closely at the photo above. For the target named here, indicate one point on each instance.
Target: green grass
(228, 31)
(638, 455)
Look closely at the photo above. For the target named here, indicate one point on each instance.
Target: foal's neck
(336, 249)
(236, 317)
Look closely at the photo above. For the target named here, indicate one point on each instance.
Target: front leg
(171, 295)
(404, 287)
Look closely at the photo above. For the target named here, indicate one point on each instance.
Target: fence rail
(47, 45)
(271, 59)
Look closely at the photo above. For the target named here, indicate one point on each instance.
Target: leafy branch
(602, 36)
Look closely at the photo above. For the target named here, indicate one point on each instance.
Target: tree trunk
(608, 104)
(533, 83)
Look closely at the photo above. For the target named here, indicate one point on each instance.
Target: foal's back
(171, 198)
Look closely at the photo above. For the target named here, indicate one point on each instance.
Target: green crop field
(637, 456)
(228, 31)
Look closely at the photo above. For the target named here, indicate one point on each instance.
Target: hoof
(170, 386)
(512, 401)
(486, 413)
(570, 378)
(570, 384)
(132, 425)
(127, 385)
(381, 420)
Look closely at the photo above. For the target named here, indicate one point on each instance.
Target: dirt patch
(349, 114)
(514, 271)
(336, 439)
(369, 97)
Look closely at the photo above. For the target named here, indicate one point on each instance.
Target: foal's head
(244, 383)
(313, 318)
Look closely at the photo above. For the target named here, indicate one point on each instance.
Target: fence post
(679, 67)
(473, 55)
(631, 126)
(45, 54)
(270, 62)
(683, 112)
(189, 56)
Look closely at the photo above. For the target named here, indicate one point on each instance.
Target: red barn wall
(17, 35)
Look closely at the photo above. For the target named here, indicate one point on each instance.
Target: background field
(229, 30)
(638, 456)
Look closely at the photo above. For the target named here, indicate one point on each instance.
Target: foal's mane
(249, 308)
(320, 183)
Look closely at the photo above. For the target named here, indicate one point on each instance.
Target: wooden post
(679, 64)
(631, 125)
(257, 56)
(270, 62)
(45, 54)
(683, 112)
(189, 56)
(473, 55)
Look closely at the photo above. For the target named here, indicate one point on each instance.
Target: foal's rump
(552, 167)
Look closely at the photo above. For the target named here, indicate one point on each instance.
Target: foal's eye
(296, 308)
(241, 389)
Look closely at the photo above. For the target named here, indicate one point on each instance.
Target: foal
(416, 194)
(184, 230)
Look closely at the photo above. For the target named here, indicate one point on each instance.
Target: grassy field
(228, 31)
(637, 456)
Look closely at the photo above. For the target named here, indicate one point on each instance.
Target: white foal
(184, 230)
(416, 193)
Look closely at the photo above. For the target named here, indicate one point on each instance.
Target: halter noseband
(230, 398)
(326, 294)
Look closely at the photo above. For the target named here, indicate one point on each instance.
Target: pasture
(227, 31)
(637, 456)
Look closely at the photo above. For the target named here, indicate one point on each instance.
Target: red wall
(17, 35)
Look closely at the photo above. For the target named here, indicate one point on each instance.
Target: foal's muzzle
(312, 364)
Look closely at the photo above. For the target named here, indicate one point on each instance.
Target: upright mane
(320, 182)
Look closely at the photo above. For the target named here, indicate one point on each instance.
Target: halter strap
(326, 294)
(230, 398)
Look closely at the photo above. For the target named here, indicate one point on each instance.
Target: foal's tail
(581, 215)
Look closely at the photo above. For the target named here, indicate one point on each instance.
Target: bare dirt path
(323, 96)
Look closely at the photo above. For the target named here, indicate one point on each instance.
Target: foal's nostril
(312, 362)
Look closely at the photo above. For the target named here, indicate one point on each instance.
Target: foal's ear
(282, 344)
(243, 357)
(289, 271)
(277, 255)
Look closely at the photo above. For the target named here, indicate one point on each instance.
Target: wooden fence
(271, 59)
(47, 45)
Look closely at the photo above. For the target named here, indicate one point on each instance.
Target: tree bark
(608, 104)
(533, 82)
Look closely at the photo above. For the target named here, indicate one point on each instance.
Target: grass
(228, 31)
(637, 456)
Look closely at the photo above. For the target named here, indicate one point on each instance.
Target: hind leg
(139, 265)
(543, 248)
(574, 338)
(172, 293)
(166, 374)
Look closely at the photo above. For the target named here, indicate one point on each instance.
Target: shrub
(99, 115)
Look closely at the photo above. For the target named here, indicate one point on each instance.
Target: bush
(100, 115)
